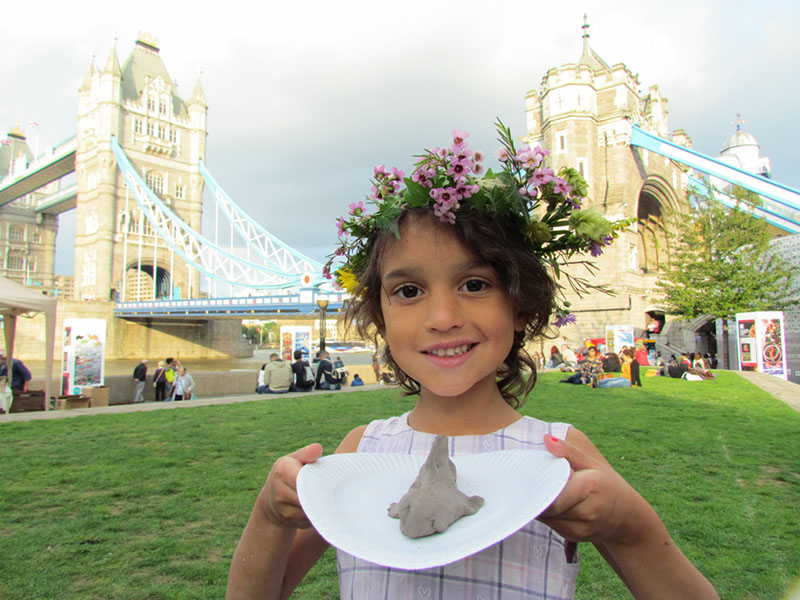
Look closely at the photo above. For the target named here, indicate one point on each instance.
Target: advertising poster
(762, 343)
(618, 336)
(83, 359)
(295, 338)
(747, 342)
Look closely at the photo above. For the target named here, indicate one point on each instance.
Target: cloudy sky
(305, 98)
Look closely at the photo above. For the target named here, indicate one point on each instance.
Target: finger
(309, 454)
(577, 458)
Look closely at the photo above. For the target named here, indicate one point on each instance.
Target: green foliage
(721, 262)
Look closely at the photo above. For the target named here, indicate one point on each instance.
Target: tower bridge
(135, 174)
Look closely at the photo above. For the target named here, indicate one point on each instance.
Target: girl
(454, 329)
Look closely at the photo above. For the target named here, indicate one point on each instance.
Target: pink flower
(398, 173)
(441, 152)
(541, 177)
(458, 168)
(459, 137)
(341, 227)
(478, 156)
(477, 168)
(501, 154)
(356, 208)
(379, 172)
(562, 187)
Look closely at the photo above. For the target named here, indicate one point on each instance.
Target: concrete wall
(189, 339)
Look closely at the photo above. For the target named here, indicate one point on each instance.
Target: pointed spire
(90, 72)
(112, 63)
(589, 57)
(198, 97)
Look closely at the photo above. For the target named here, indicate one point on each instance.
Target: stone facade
(583, 113)
(27, 238)
(116, 251)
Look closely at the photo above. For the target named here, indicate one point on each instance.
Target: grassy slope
(150, 505)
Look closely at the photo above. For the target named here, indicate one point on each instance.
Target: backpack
(309, 372)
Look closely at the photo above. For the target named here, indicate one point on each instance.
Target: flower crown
(546, 207)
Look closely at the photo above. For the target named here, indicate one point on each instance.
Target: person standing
(183, 387)
(20, 374)
(139, 376)
(376, 366)
(160, 382)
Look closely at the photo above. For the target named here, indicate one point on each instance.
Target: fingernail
(554, 438)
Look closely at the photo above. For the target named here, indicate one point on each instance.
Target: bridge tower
(164, 136)
(583, 113)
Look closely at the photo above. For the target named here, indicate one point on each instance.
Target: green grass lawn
(151, 504)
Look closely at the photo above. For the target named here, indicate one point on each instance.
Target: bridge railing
(50, 155)
(250, 305)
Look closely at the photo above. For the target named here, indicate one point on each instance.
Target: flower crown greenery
(545, 207)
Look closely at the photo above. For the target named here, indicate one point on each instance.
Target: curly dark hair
(503, 247)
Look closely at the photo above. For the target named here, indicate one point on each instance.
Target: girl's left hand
(595, 504)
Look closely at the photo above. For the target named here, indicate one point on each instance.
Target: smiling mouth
(454, 351)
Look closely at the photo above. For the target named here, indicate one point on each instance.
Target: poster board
(295, 338)
(83, 357)
(618, 336)
(761, 343)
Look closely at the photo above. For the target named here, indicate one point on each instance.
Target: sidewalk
(148, 406)
(783, 390)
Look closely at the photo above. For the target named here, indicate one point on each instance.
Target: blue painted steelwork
(760, 211)
(780, 201)
(233, 307)
(194, 248)
(256, 237)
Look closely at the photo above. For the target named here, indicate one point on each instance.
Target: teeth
(450, 351)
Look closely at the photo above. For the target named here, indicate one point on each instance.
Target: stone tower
(164, 137)
(27, 237)
(583, 113)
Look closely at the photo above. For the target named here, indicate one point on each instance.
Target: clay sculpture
(433, 502)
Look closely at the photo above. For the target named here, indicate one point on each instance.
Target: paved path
(148, 406)
(781, 389)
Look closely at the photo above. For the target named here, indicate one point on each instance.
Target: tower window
(151, 103)
(162, 107)
(582, 166)
(173, 136)
(150, 129)
(137, 126)
(562, 142)
(16, 233)
(179, 191)
(37, 237)
(155, 182)
(16, 263)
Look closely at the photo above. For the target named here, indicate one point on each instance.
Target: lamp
(323, 306)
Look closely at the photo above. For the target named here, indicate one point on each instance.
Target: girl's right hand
(278, 498)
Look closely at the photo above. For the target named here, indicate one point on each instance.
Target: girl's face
(447, 318)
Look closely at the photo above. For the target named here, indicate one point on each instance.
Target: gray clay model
(433, 502)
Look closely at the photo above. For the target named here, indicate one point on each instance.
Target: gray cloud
(305, 99)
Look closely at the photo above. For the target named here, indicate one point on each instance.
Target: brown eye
(475, 285)
(407, 291)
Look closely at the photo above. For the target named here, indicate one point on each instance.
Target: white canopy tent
(16, 300)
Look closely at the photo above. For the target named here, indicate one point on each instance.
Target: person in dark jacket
(20, 374)
(301, 370)
(139, 376)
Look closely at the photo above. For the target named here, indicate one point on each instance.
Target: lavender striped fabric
(528, 564)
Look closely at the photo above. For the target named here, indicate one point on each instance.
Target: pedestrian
(357, 381)
(139, 376)
(160, 382)
(183, 386)
(20, 374)
(376, 366)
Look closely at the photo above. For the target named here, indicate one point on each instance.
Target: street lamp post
(323, 306)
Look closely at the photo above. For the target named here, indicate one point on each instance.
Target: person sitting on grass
(303, 374)
(589, 371)
(357, 381)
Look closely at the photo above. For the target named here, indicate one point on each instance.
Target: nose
(444, 311)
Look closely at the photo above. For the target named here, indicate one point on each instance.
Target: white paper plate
(345, 496)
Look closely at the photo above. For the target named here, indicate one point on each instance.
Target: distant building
(27, 238)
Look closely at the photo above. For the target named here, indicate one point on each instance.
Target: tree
(721, 262)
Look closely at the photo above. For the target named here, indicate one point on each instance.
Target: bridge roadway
(55, 163)
(247, 307)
